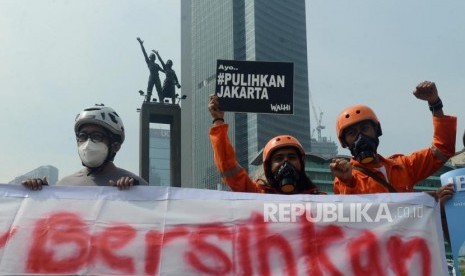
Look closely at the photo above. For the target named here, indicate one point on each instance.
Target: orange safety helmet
(352, 115)
(280, 142)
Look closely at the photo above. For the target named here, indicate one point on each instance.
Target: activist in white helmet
(99, 134)
(105, 117)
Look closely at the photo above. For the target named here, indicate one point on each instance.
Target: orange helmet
(352, 115)
(280, 142)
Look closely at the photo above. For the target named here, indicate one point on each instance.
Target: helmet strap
(93, 170)
(110, 157)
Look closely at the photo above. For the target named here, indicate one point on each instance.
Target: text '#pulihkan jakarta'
(248, 86)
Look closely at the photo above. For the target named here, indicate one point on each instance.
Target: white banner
(179, 231)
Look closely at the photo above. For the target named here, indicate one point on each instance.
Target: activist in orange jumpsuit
(283, 162)
(358, 128)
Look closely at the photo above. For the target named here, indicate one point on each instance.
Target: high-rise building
(324, 147)
(254, 30)
(159, 154)
(43, 171)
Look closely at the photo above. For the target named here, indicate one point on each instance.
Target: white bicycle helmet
(103, 116)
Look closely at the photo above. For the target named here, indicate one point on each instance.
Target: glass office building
(159, 163)
(255, 30)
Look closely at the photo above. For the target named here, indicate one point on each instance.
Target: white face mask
(93, 154)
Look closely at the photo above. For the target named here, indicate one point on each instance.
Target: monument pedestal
(161, 113)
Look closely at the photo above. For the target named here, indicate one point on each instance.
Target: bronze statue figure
(154, 78)
(171, 80)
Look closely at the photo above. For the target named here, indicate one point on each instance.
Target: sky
(58, 57)
(376, 52)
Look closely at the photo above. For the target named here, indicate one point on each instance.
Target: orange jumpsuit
(403, 171)
(231, 172)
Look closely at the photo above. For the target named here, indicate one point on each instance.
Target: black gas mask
(364, 148)
(285, 178)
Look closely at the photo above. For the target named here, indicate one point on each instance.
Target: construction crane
(317, 117)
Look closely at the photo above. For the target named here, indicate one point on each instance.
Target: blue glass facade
(159, 156)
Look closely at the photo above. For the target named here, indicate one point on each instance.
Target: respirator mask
(364, 148)
(93, 154)
(285, 178)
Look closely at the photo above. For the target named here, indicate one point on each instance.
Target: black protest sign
(255, 86)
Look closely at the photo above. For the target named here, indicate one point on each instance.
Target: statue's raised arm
(141, 42)
(161, 60)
